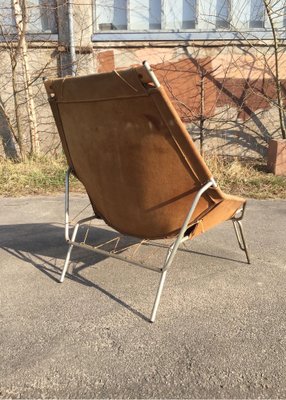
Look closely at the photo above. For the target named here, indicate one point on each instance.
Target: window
(120, 20)
(223, 14)
(144, 14)
(155, 15)
(111, 14)
(7, 22)
(41, 17)
(257, 14)
(180, 14)
(140, 15)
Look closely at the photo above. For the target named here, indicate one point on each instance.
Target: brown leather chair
(144, 176)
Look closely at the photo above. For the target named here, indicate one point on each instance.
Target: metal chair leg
(237, 224)
(167, 263)
(69, 253)
(158, 296)
(174, 247)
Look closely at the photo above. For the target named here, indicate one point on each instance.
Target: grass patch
(247, 179)
(46, 176)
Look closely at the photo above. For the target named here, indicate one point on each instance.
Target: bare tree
(20, 80)
(271, 13)
(19, 7)
(256, 93)
(232, 114)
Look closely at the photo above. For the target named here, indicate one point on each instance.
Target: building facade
(217, 58)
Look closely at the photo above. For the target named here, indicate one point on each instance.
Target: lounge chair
(143, 174)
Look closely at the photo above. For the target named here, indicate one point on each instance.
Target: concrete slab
(220, 331)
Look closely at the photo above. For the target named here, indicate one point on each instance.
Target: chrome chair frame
(237, 224)
(171, 250)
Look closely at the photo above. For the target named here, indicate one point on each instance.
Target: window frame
(200, 33)
(12, 35)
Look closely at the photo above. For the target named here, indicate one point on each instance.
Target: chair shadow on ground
(43, 246)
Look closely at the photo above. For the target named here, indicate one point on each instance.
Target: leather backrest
(127, 145)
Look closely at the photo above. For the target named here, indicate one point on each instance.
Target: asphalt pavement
(220, 330)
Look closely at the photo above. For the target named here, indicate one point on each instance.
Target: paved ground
(221, 327)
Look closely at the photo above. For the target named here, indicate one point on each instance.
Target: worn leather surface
(139, 165)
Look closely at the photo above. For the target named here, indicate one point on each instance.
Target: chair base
(171, 250)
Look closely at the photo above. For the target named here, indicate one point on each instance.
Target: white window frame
(205, 29)
(33, 35)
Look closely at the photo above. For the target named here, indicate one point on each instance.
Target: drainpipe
(71, 37)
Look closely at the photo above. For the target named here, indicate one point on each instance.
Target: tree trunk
(21, 135)
(7, 136)
(20, 11)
